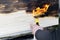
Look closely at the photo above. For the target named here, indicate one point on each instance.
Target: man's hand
(35, 27)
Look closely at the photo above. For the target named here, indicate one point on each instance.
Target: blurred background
(10, 6)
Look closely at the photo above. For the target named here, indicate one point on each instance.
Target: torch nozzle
(37, 21)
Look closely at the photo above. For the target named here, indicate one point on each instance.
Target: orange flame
(40, 11)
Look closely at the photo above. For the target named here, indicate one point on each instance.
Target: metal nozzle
(37, 23)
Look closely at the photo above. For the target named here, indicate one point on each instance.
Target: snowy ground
(19, 23)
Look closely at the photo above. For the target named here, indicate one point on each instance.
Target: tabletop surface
(19, 22)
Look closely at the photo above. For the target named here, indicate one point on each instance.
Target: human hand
(35, 27)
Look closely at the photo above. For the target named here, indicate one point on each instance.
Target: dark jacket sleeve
(42, 35)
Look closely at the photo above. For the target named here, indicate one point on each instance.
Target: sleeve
(42, 35)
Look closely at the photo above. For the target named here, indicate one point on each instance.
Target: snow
(19, 23)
